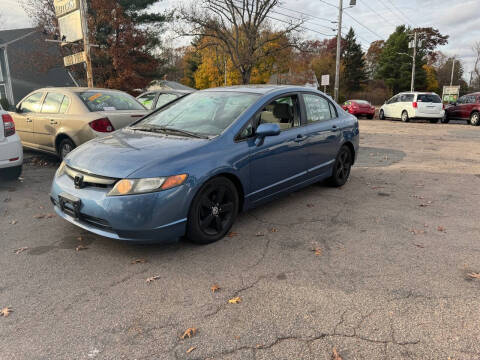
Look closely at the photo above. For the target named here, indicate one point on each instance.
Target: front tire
(213, 211)
(11, 173)
(342, 167)
(381, 115)
(405, 117)
(475, 119)
(65, 147)
(369, 117)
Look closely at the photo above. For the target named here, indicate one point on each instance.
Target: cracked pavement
(388, 284)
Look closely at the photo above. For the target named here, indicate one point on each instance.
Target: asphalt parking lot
(383, 268)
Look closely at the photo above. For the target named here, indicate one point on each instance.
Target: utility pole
(453, 69)
(337, 61)
(86, 42)
(412, 84)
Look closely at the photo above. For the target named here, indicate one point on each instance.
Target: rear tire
(475, 119)
(11, 173)
(445, 119)
(381, 115)
(405, 117)
(342, 167)
(433, 121)
(65, 147)
(213, 211)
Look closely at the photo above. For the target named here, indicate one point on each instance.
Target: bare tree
(240, 27)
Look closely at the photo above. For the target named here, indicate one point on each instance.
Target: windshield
(206, 113)
(109, 101)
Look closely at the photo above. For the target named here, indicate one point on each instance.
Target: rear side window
(65, 104)
(109, 101)
(318, 108)
(430, 98)
(147, 100)
(407, 98)
(32, 103)
(52, 103)
(165, 99)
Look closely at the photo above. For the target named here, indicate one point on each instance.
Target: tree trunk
(246, 73)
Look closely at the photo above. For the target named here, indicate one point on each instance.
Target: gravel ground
(379, 269)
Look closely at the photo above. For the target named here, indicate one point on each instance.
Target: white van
(11, 151)
(413, 105)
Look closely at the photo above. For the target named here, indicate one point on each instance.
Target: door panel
(28, 109)
(47, 122)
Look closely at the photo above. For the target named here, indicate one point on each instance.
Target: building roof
(7, 36)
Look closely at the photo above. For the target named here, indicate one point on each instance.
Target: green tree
(395, 66)
(354, 63)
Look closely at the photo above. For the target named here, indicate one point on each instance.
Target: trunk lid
(121, 118)
(429, 104)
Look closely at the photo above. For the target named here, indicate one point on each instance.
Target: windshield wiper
(166, 129)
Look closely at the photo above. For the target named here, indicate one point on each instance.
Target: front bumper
(158, 216)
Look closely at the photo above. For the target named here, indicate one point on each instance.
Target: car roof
(76, 89)
(260, 89)
(418, 92)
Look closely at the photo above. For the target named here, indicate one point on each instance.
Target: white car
(413, 105)
(11, 151)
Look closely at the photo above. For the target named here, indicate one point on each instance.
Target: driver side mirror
(18, 109)
(264, 130)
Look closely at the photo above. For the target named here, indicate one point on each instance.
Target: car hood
(126, 152)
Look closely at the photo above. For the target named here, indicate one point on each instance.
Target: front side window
(32, 103)
(283, 111)
(204, 112)
(52, 103)
(147, 100)
(165, 99)
(109, 101)
(318, 108)
(393, 100)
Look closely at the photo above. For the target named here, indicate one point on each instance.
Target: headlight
(140, 186)
(60, 170)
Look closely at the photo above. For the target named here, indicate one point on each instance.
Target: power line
(380, 15)
(303, 13)
(366, 27)
(301, 26)
(401, 12)
(326, 2)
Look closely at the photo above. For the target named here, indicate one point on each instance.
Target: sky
(371, 19)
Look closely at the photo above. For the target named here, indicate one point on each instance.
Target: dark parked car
(466, 108)
(191, 166)
(156, 99)
(359, 108)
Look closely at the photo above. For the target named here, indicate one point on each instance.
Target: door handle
(29, 120)
(53, 122)
(300, 138)
(334, 128)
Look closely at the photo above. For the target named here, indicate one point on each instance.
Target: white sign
(450, 93)
(71, 27)
(325, 80)
(74, 59)
(63, 7)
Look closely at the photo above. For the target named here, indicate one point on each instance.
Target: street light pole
(453, 69)
(337, 61)
(412, 84)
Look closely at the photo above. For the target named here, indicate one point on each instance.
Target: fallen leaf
(191, 349)
(7, 199)
(39, 216)
(417, 197)
(273, 230)
(152, 278)
(6, 311)
(441, 229)
(19, 250)
(139, 261)
(214, 288)
(310, 205)
(13, 222)
(50, 215)
(189, 333)
(259, 234)
(232, 234)
(318, 251)
(377, 187)
(235, 300)
(428, 203)
(419, 245)
(474, 275)
(417, 232)
(336, 355)
(81, 247)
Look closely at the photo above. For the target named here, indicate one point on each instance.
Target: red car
(466, 108)
(359, 108)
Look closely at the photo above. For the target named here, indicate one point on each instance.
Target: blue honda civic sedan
(190, 167)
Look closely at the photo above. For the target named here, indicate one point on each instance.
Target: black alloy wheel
(342, 167)
(213, 211)
(475, 119)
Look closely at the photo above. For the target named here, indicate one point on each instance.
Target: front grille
(90, 179)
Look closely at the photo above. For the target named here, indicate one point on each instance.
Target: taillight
(101, 125)
(443, 106)
(414, 104)
(8, 125)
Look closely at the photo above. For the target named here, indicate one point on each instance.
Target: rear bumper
(159, 216)
(11, 148)
(419, 115)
